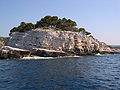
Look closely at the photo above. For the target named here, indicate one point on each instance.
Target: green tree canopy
(55, 22)
(22, 27)
(50, 22)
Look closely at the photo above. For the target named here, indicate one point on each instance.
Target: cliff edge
(76, 43)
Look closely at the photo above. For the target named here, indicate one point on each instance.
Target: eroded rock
(66, 41)
(7, 52)
(47, 53)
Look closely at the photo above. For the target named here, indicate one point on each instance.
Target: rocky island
(51, 37)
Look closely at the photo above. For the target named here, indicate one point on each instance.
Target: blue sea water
(68, 73)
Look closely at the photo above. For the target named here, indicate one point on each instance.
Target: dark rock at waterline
(109, 52)
(7, 52)
(47, 53)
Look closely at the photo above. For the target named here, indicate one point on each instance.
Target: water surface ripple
(70, 73)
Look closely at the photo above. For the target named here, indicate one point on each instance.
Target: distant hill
(115, 46)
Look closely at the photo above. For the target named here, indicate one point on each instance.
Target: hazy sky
(100, 17)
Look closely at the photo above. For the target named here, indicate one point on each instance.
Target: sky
(100, 17)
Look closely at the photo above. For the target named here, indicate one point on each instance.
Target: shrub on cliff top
(55, 22)
(22, 27)
(3, 41)
(50, 22)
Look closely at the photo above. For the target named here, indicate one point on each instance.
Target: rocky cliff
(67, 41)
(7, 52)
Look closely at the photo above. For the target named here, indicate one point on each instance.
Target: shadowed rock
(47, 53)
(7, 52)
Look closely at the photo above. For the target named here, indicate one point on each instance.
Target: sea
(100, 72)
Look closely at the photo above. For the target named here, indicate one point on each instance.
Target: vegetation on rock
(55, 22)
(22, 27)
(50, 22)
(3, 41)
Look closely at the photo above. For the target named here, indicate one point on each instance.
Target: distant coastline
(115, 46)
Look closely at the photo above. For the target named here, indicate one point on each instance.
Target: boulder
(7, 52)
(47, 53)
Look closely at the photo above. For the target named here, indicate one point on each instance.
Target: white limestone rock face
(67, 41)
